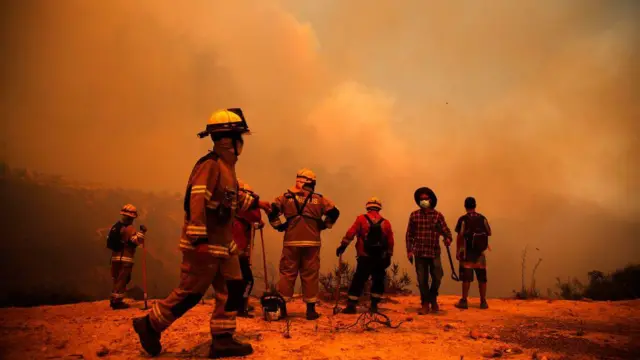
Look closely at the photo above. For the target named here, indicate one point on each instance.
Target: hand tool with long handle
(337, 309)
(454, 276)
(143, 229)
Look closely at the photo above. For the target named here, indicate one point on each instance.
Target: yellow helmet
(129, 210)
(223, 121)
(374, 203)
(307, 175)
(244, 186)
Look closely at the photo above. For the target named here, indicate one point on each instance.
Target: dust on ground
(512, 329)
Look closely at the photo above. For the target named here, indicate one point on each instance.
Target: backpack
(114, 239)
(375, 243)
(476, 237)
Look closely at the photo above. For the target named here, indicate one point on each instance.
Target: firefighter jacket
(131, 239)
(243, 226)
(303, 211)
(211, 202)
(360, 229)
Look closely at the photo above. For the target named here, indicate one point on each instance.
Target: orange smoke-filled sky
(530, 106)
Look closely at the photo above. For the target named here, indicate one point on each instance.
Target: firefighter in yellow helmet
(123, 239)
(210, 256)
(307, 213)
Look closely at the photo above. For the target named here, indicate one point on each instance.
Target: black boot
(374, 305)
(243, 312)
(149, 338)
(311, 311)
(226, 346)
(351, 307)
(119, 305)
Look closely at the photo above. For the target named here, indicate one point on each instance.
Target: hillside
(54, 235)
(510, 329)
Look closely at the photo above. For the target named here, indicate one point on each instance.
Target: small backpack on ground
(476, 237)
(114, 239)
(375, 243)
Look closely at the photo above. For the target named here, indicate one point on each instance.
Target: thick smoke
(529, 106)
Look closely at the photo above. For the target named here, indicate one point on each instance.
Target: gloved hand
(410, 256)
(447, 242)
(258, 225)
(341, 249)
(264, 205)
(387, 261)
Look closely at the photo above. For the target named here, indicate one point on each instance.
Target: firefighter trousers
(304, 261)
(121, 275)
(367, 266)
(197, 272)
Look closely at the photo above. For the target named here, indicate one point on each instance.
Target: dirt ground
(511, 329)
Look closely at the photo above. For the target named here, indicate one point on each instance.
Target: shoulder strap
(371, 221)
(295, 200)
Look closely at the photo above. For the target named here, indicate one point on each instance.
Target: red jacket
(360, 228)
(242, 229)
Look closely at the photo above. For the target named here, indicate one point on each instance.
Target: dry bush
(395, 283)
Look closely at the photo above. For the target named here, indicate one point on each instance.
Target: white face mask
(425, 204)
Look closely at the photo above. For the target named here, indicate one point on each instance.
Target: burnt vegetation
(622, 284)
(396, 283)
(55, 239)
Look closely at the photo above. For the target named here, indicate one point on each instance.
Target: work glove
(387, 261)
(258, 225)
(265, 206)
(341, 249)
(410, 256)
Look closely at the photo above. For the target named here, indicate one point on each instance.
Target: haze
(530, 106)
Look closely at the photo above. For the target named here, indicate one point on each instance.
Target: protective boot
(119, 305)
(149, 338)
(225, 345)
(311, 312)
(351, 308)
(374, 305)
(243, 312)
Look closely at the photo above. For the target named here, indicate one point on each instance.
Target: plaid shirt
(423, 231)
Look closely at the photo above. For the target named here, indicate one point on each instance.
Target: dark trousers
(366, 267)
(247, 276)
(426, 267)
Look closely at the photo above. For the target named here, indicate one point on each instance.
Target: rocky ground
(509, 329)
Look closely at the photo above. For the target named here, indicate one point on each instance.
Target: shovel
(143, 229)
(337, 309)
(454, 276)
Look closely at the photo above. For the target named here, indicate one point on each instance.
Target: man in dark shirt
(472, 261)
(423, 233)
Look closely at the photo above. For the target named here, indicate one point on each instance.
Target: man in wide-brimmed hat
(423, 249)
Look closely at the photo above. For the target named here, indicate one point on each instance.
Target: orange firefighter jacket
(211, 202)
(302, 230)
(131, 239)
